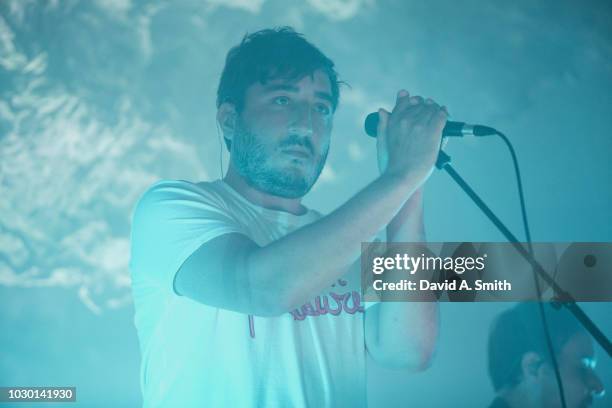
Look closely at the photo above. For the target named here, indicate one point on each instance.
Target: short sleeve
(171, 220)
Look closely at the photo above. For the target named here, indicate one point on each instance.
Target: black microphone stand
(443, 163)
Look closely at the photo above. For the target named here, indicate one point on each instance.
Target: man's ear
(530, 365)
(226, 117)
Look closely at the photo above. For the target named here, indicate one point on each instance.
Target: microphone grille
(371, 124)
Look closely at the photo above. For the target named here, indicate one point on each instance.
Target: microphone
(452, 129)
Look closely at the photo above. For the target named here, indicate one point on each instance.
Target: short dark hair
(518, 331)
(270, 54)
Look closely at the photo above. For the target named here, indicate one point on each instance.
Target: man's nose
(301, 123)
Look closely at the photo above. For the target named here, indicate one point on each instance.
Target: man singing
(246, 298)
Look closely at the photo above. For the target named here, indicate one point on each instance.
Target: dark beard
(250, 159)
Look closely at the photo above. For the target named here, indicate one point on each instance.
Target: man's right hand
(409, 137)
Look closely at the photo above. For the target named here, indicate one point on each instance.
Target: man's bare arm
(233, 273)
(284, 274)
(404, 334)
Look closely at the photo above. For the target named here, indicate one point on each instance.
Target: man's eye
(323, 109)
(281, 100)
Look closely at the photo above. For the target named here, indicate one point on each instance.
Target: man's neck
(260, 198)
(519, 397)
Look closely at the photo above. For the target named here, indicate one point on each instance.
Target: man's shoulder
(179, 186)
(168, 189)
(167, 194)
(212, 197)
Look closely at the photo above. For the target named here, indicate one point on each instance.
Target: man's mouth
(586, 403)
(298, 152)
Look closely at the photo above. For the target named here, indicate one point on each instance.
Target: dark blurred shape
(585, 271)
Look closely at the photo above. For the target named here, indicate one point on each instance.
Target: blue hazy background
(101, 98)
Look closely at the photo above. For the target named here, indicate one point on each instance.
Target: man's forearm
(305, 262)
(408, 225)
(404, 333)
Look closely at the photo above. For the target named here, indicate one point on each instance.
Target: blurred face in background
(281, 137)
(577, 369)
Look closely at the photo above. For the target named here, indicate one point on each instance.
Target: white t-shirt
(194, 355)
